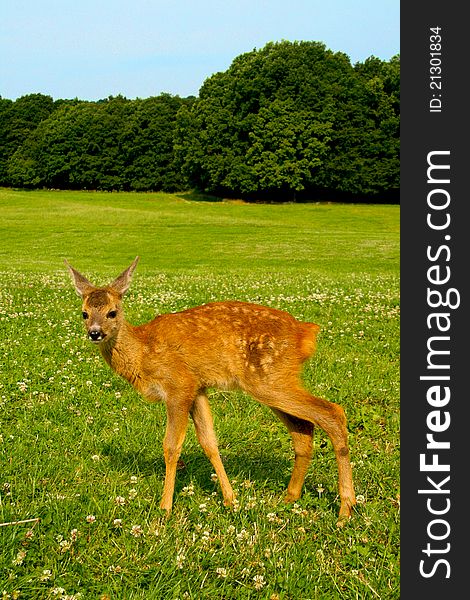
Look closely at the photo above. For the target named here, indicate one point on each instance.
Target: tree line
(290, 121)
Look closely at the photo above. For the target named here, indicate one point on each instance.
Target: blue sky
(91, 49)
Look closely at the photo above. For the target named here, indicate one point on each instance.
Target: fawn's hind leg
(298, 402)
(203, 423)
(302, 434)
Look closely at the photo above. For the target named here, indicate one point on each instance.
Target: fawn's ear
(121, 284)
(82, 285)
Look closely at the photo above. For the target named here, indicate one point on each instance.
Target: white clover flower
(221, 572)
(188, 490)
(115, 569)
(259, 582)
(19, 558)
(271, 517)
(90, 518)
(180, 558)
(64, 546)
(58, 591)
(46, 575)
(120, 500)
(251, 503)
(136, 530)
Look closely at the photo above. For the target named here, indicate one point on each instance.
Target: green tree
(76, 148)
(113, 144)
(257, 128)
(5, 145)
(147, 145)
(286, 147)
(17, 120)
(293, 119)
(365, 140)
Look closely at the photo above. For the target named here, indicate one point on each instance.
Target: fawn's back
(227, 344)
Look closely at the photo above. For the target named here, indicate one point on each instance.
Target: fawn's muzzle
(95, 335)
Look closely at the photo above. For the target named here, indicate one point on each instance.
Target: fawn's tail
(307, 337)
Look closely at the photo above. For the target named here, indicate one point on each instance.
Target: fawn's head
(101, 306)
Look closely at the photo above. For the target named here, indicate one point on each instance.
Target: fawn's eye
(112, 314)
(85, 314)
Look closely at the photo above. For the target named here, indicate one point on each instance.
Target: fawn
(225, 345)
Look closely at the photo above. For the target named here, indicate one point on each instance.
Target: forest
(293, 121)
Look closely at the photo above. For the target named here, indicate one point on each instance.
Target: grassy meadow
(81, 452)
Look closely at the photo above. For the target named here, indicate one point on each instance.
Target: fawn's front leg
(177, 423)
(203, 422)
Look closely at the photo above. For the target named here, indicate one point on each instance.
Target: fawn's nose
(95, 334)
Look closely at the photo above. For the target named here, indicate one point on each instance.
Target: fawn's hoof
(290, 497)
(229, 502)
(345, 512)
(342, 520)
(166, 509)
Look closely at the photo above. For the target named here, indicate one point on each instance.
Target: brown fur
(227, 345)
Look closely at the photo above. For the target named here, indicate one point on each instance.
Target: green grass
(75, 440)
(101, 231)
